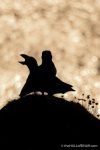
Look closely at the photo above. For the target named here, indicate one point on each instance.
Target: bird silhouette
(57, 86)
(31, 84)
(43, 78)
(50, 83)
(47, 70)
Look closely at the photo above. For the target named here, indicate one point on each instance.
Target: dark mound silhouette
(38, 121)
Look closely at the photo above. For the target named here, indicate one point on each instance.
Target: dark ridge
(38, 121)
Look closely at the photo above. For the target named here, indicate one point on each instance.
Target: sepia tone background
(69, 28)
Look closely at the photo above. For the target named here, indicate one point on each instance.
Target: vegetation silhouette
(37, 121)
(89, 103)
(43, 78)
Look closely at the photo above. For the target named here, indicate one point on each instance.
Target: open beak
(25, 57)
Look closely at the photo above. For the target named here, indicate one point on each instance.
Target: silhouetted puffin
(31, 82)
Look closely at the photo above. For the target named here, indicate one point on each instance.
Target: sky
(69, 28)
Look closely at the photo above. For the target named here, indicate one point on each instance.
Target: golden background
(69, 28)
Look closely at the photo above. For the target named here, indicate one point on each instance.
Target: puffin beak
(25, 58)
(22, 62)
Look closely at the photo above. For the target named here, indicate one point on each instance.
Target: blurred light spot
(85, 72)
(74, 36)
(99, 111)
(17, 78)
(97, 84)
(78, 78)
(94, 59)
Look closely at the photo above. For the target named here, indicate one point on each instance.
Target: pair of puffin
(43, 78)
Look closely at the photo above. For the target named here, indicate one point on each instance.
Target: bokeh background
(69, 28)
